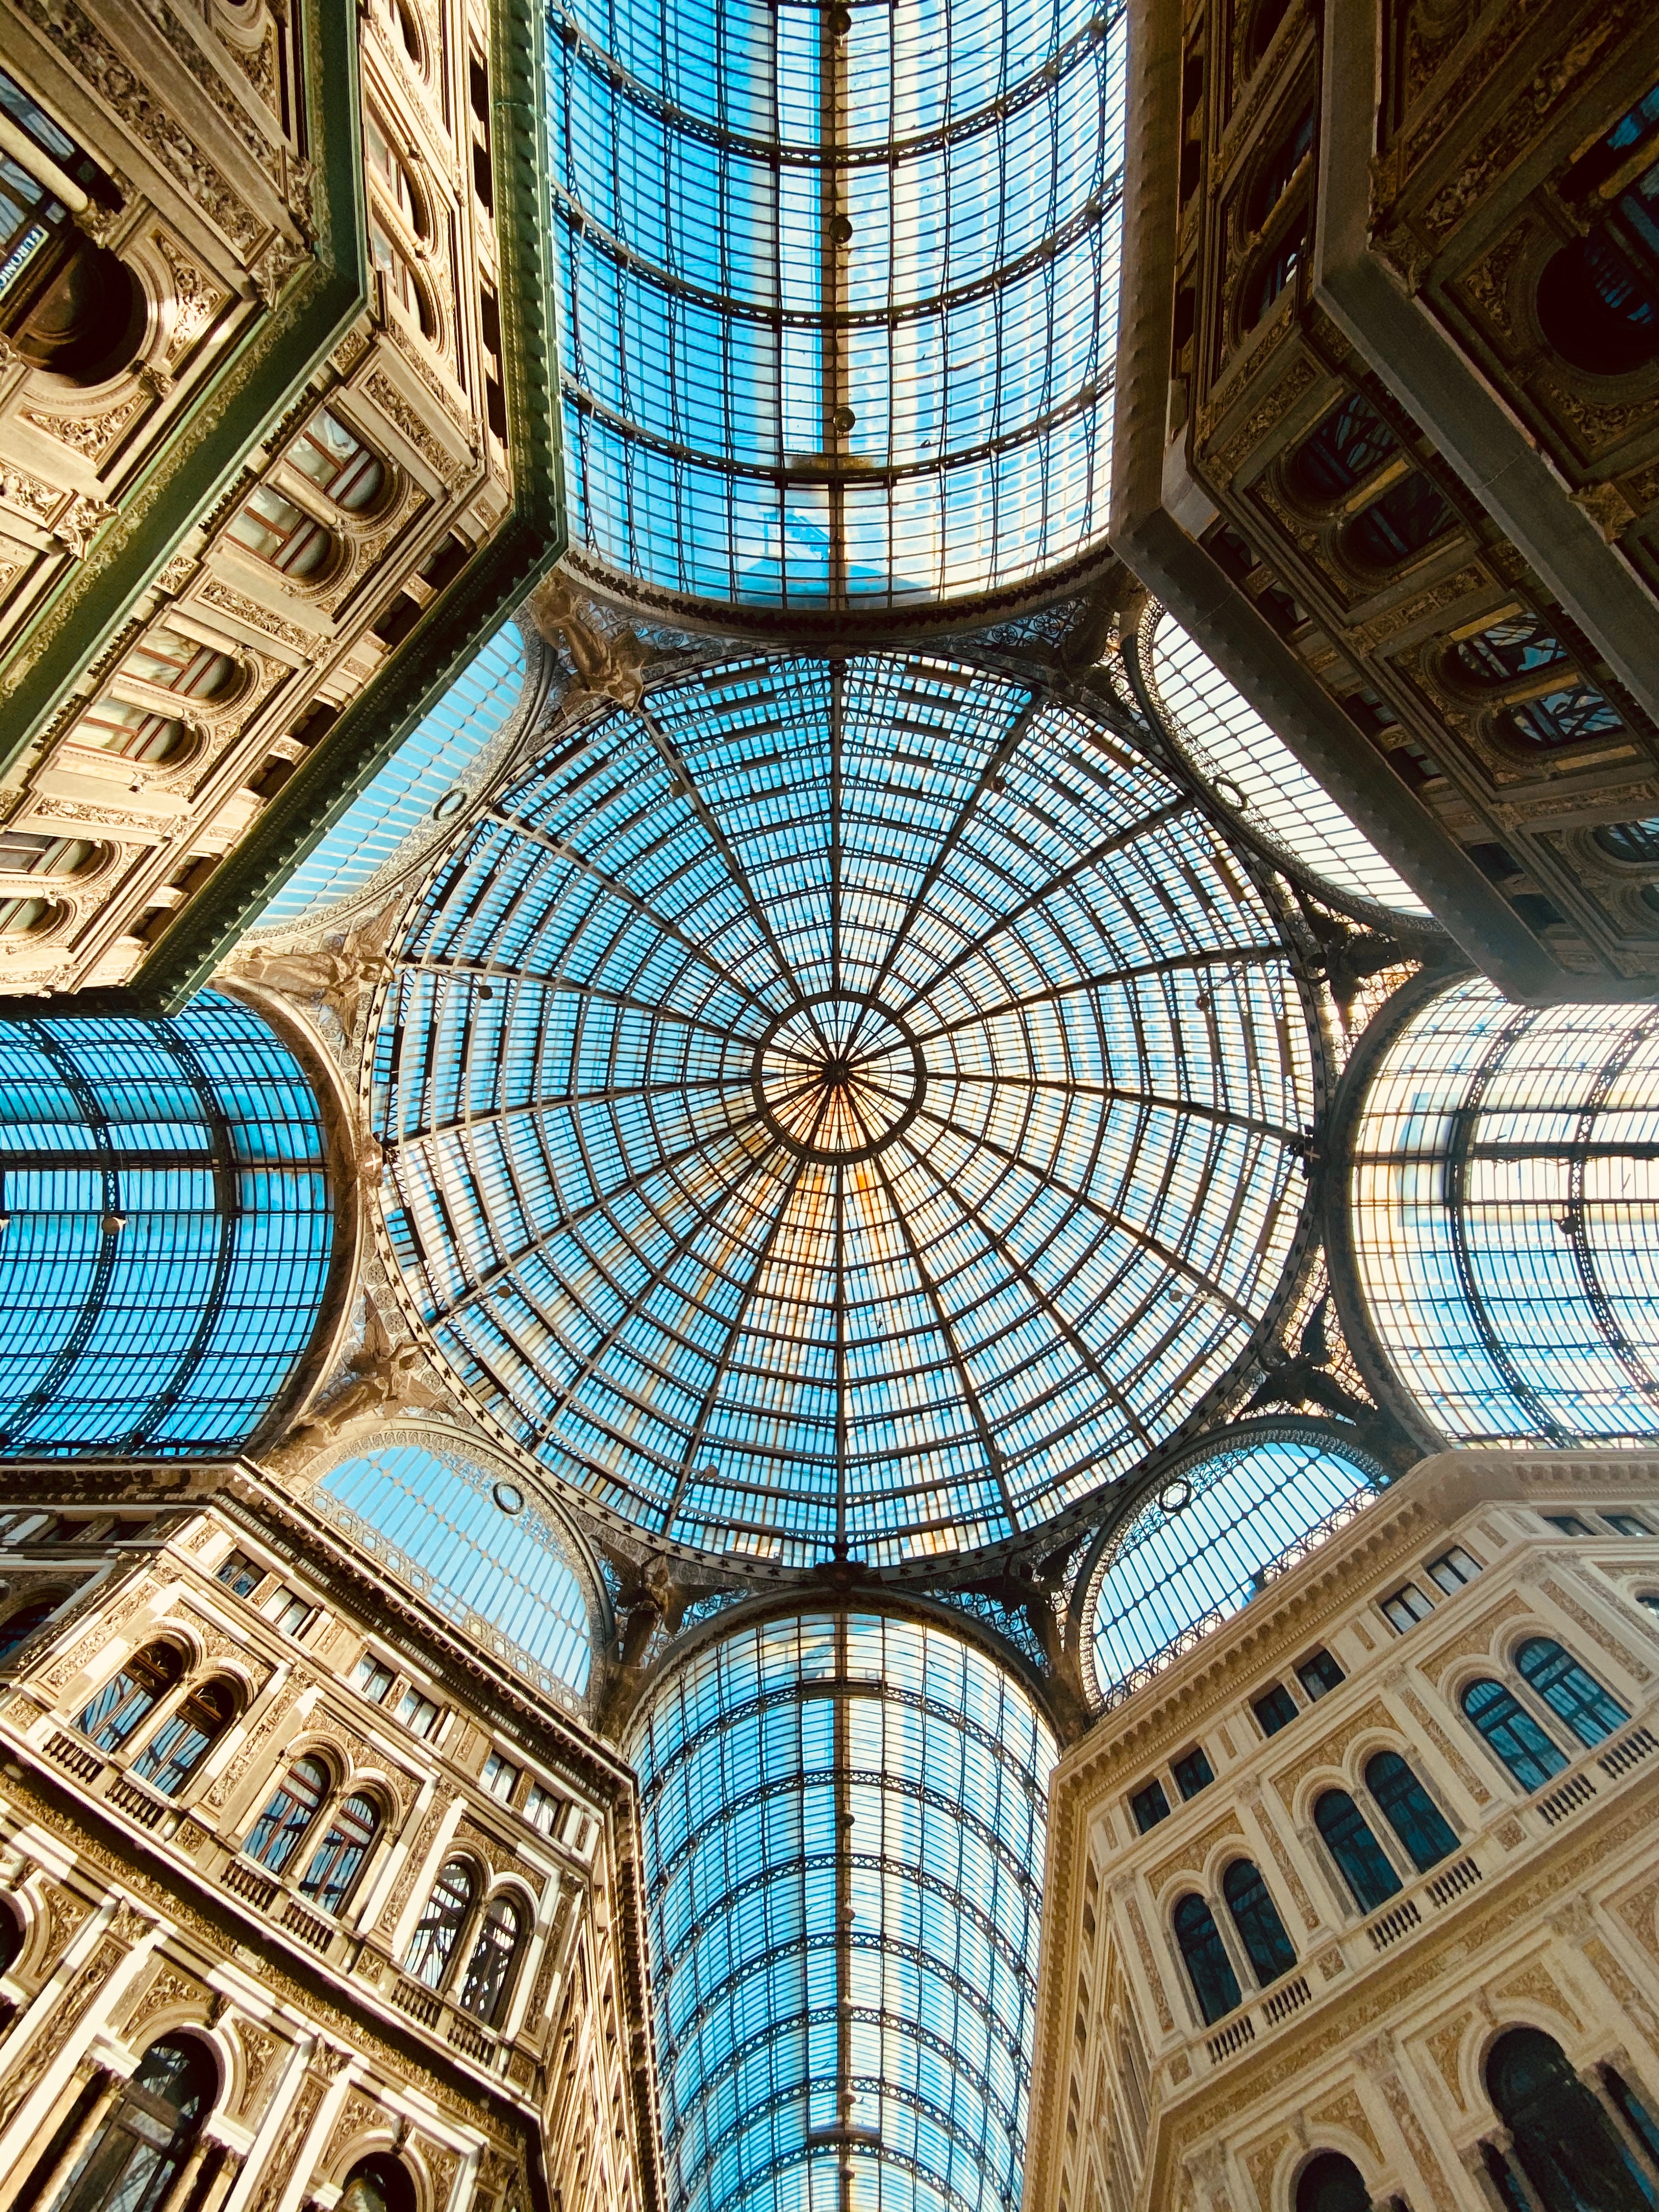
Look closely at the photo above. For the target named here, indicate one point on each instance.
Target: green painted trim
(529, 540)
(327, 294)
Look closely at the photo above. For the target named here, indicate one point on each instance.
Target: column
(183, 2184)
(106, 2088)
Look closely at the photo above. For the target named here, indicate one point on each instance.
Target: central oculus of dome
(838, 1078)
(844, 1108)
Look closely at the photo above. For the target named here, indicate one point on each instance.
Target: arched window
(1274, 178)
(401, 281)
(1257, 1918)
(275, 530)
(1591, 1712)
(1409, 1810)
(1342, 449)
(1331, 2182)
(1636, 841)
(36, 853)
(1566, 2145)
(1365, 1867)
(1567, 717)
(294, 1806)
(1276, 269)
(439, 1930)
(12, 1934)
(1264, 22)
(1513, 1734)
(490, 1968)
(1208, 1967)
(185, 1738)
(136, 733)
(1598, 309)
(339, 1857)
(389, 166)
(1521, 646)
(126, 1699)
(1408, 516)
(337, 462)
(17, 1628)
(139, 2149)
(381, 2184)
(173, 662)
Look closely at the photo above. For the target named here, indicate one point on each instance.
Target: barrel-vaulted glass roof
(842, 1106)
(838, 291)
(1504, 1212)
(844, 1823)
(165, 1228)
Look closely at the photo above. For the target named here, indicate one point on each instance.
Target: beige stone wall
(143, 1915)
(216, 213)
(1546, 1915)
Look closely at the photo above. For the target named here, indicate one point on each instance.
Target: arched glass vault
(1504, 1214)
(844, 1820)
(838, 292)
(842, 1108)
(168, 1229)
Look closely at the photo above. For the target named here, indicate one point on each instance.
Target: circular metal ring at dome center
(838, 1078)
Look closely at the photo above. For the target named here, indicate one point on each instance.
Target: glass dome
(473, 1546)
(1503, 1208)
(843, 1108)
(838, 292)
(1193, 1552)
(1257, 778)
(844, 1820)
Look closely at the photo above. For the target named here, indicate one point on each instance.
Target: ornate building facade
(305, 1891)
(276, 441)
(1385, 437)
(1353, 1903)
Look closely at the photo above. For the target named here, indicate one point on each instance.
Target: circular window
(451, 804)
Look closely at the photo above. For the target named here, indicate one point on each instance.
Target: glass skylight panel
(435, 1519)
(168, 1229)
(844, 1822)
(1191, 1556)
(1255, 775)
(838, 291)
(1505, 1213)
(424, 782)
(817, 1125)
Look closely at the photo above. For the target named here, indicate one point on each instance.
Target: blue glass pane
(169, 1230)
(1173, 1573)
(808, 1103)
(1505, 1216)
(430, 1516)
(844, 1822)
(838, 309)
(433, 761)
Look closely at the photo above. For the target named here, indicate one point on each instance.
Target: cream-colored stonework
(1546, 1915)
(219, 210)
(143, 1915)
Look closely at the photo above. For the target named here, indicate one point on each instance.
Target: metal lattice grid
(1503, 1209)
(838, 291)
(1220, 1522)
(843, 1108)
(435, 1519)
(844, 1822)
(168, 1229)
(1256, 777)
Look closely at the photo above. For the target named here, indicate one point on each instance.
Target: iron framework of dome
(838, 294)
(843, 1108)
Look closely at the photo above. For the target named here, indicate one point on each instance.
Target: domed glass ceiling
(838, 291)
(843, 1107)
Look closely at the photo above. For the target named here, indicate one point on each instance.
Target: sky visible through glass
(844, 1823)
(843, 1107)
(838, 290)
(1505, 1203)
(1173, 1571)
